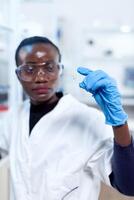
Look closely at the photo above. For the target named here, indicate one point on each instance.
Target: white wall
(107, 11)
(74, 16)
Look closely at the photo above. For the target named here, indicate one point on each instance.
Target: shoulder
(74, 104)
(15, 112)
(69, 104)
(92, 117)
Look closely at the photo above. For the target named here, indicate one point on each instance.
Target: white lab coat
(66, 156)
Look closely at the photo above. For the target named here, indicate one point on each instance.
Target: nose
(41, 76)
(41, 72)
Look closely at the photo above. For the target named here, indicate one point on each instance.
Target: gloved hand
(106, 94)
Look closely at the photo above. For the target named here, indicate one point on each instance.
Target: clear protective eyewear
(27, 72)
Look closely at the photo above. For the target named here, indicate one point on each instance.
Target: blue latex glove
(106, 94)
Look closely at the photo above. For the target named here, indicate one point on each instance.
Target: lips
(41, 90)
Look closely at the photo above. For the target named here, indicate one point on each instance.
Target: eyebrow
(32, 62)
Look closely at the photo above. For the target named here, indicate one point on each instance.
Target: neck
(49, 101)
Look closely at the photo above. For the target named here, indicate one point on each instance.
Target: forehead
(38, 53)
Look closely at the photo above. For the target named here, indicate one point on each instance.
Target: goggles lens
(27, 72)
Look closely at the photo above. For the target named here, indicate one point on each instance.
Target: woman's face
(40, 64)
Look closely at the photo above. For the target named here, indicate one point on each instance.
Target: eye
(28, 69)
(50, 67)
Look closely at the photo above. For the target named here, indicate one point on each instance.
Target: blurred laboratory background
(97, 34)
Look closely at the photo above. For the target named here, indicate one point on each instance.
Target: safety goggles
(27, 72)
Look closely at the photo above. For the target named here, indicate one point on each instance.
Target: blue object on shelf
(129, 77)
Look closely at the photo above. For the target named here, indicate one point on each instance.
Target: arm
(107, 96)
(123, 161)
(122, 135)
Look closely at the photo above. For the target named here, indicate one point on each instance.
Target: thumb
(82, 85)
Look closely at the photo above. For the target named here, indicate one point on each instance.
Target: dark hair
(34, 40)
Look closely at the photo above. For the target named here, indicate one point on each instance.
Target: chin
(41, 98)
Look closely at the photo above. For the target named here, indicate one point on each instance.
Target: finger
(102, 83)
(91, 79)
(84, 71)
(82, 85)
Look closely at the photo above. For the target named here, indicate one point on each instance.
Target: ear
(17, 75)
(61, 70)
